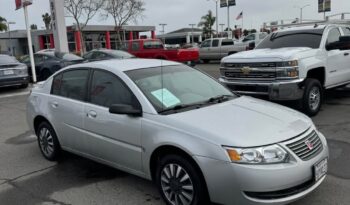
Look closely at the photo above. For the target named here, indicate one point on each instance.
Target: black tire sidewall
(200, 193)
(309, 84)
(57, 149)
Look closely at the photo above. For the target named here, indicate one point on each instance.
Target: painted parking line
(15, 94)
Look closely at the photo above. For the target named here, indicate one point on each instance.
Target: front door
(113, 138)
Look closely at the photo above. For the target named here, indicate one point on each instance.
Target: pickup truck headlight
(258, 155)
(287, 69)
(22, 70)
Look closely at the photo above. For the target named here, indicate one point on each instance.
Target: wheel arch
(318, 73)
(38, 120)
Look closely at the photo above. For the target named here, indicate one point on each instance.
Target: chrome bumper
(274, 90)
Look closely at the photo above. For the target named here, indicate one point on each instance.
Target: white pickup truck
(293, 64)
(217, 48)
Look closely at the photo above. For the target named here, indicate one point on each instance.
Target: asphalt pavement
(26, 178)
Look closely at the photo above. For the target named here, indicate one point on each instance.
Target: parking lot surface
(27, 178)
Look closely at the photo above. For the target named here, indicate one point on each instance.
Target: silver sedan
(172, 124)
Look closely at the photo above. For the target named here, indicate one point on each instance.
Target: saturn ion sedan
(172, 124)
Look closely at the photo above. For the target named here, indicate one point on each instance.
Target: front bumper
(228, 183)
(274, 90)
(14, 81)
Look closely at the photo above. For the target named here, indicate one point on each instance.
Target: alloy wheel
(314, 98)
(177, 185)
(46, 142)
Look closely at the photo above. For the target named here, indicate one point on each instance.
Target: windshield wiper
(181, 106)
(220, 98)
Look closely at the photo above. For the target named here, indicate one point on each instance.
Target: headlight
(259, 155)
(22, 70)
(287, 69)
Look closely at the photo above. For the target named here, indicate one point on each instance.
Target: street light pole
(192, 25)
(301, 11)
(163, 31)
(222, 28)
(10, 39)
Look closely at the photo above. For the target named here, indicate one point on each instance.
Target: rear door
(66, 108)
(111, 137)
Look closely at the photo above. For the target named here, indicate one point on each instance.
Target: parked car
(12, 72)
(293, 64)
(106, 54)
(170, 123)
(154, 48)
(47, 63)
(217, 48)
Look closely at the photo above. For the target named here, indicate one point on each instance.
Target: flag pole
(242, 19)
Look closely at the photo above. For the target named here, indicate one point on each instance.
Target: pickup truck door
(205, 49)
(227, 47)
(215, 52)
(337, 61)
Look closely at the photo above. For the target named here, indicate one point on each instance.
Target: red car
(154, 48)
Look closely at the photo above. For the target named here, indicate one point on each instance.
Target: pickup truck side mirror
(342, 44)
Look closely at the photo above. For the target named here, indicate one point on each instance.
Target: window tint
(135, 46)
(227, 42)
(38, 59)
(306, 38)
(250, 37)
(152, 45)
(107, 89)
(206, 44)
(71, 84)
(262, 35)
(215, 43)
(333, 35)
(99, 55)
(346, 31)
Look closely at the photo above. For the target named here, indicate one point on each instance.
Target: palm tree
(207, 23)
(3, 24)
(47, 20)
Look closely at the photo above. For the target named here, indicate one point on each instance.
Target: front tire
(313, 97)
(179, 182)
(48, 142)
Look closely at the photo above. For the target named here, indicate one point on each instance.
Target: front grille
(252, 74)
(252, 65)
(281, 193)
(308, 147)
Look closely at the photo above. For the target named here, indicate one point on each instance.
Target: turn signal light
(233, 154)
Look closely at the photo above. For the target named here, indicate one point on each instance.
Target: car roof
(301, 28)
(126, 64)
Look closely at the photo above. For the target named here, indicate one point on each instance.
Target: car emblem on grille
(246, 70)
(309, 144)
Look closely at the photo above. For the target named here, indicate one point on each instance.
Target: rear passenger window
(107, 89)
(71, 84)
(135, 46)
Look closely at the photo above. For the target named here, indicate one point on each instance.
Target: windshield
(67, 56)
(7, 59)
(305, 38)
(171, 86)
(120, 54)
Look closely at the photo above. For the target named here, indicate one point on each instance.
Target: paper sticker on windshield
(166, 97)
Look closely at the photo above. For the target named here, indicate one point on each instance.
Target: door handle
(54, 104)
(91, 114)
(346, 54)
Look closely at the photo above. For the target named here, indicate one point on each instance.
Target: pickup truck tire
(313, 97)
(205, 60)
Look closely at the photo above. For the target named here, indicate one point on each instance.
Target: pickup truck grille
(308, 147)
(264, 71)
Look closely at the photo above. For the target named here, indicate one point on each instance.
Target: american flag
(240, 16)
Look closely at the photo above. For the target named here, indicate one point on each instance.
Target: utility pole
(192, 25)
(10, 39)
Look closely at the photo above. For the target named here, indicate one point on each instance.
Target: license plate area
(8, 72)
(320, 169)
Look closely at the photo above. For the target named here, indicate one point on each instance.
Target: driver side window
(206, 44)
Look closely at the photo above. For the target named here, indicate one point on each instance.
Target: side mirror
(251, 45)
(122, 109)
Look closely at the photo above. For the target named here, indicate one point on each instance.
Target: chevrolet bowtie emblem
(246, 70)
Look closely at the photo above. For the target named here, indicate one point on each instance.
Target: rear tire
(205, 60)
(178, 180)
(48, 142)
(313, 97)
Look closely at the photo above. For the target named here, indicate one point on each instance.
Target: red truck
(154, 48)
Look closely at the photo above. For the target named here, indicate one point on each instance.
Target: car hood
(242, 122)
(280, 53)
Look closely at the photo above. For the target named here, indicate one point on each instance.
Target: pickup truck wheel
(178, 182)
(313, 97)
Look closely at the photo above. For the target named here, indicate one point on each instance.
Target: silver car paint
(241, 122)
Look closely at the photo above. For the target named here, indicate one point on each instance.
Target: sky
(180, 13)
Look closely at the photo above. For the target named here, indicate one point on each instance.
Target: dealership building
(95, 36)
